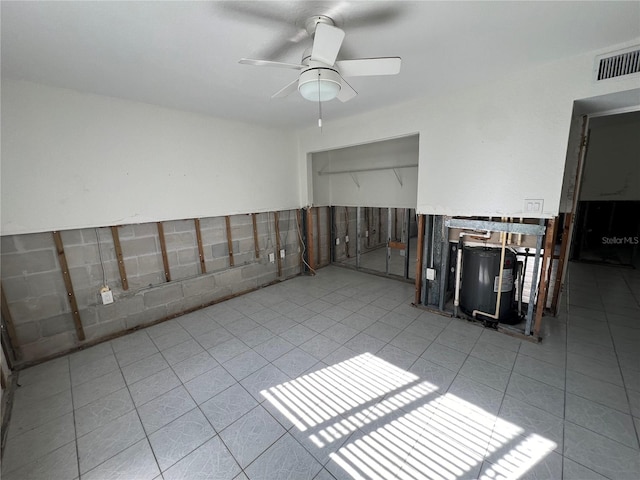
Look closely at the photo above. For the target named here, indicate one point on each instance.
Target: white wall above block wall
(72, 160)
(482, 150)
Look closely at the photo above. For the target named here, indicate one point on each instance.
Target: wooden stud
(419, 248)
(329, 236)
(542, 292)
(276, 217)
(310, 240)
(395, 223)
(319, 262)
(256, 243)
(301, 246)
(203, 266)
(8, 321)
(346, 233)
(397, 245)
(68, 285)
(563, 254)
(119, 257)
(227, 220)
(163, 250)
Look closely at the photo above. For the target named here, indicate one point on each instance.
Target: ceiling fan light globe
(319, 85)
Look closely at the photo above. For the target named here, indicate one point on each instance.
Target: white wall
(483, 150)
(612, 166)
(377, 188)
(73, 160)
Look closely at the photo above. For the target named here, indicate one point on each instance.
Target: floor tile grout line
(146, 436)
(624, 383)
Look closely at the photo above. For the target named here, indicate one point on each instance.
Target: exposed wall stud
(419, 252)
(563, 254)
(301, 247)
(330, 233)
(119, 257)
(229, 240)
(68, 285)
(546, 262)
(310, 240)
(319, 236)
(8, 322)
(276, 217)
(358, 236)
(203, 266)
(256, 244)
(163, 250)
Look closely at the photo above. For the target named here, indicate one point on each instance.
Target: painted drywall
(379, 187)
(73, 160)
(483, 150)
(612, 169)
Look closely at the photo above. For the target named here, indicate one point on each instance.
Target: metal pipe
(358, 236)
(456, 296)
(388, 239)
(372, 169)
(502, 253)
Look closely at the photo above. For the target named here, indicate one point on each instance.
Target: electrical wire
(104, 273)
(304, 247)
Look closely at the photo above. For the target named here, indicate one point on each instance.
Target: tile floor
(336, 376)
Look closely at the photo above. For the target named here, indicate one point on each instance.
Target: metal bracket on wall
(355, 180)
(398, 176)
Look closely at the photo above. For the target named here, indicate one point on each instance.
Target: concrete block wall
(37, 298)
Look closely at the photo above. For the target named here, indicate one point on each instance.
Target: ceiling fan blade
(287, 90)
(346, 92)
(369, 66)
(326, 44)
(268, 63)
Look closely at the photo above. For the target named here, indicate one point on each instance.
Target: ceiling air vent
(616, 65)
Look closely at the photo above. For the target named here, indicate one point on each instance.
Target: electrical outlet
(346, 239)
(107, 295)
(337, 241)
(282, 254)
(272, 257)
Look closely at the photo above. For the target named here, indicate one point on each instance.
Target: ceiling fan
(321, 75)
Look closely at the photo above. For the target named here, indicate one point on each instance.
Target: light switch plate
(533, 205)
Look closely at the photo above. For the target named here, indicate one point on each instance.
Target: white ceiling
(185, 54)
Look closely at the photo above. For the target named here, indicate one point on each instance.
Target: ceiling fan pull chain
(319, 104)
